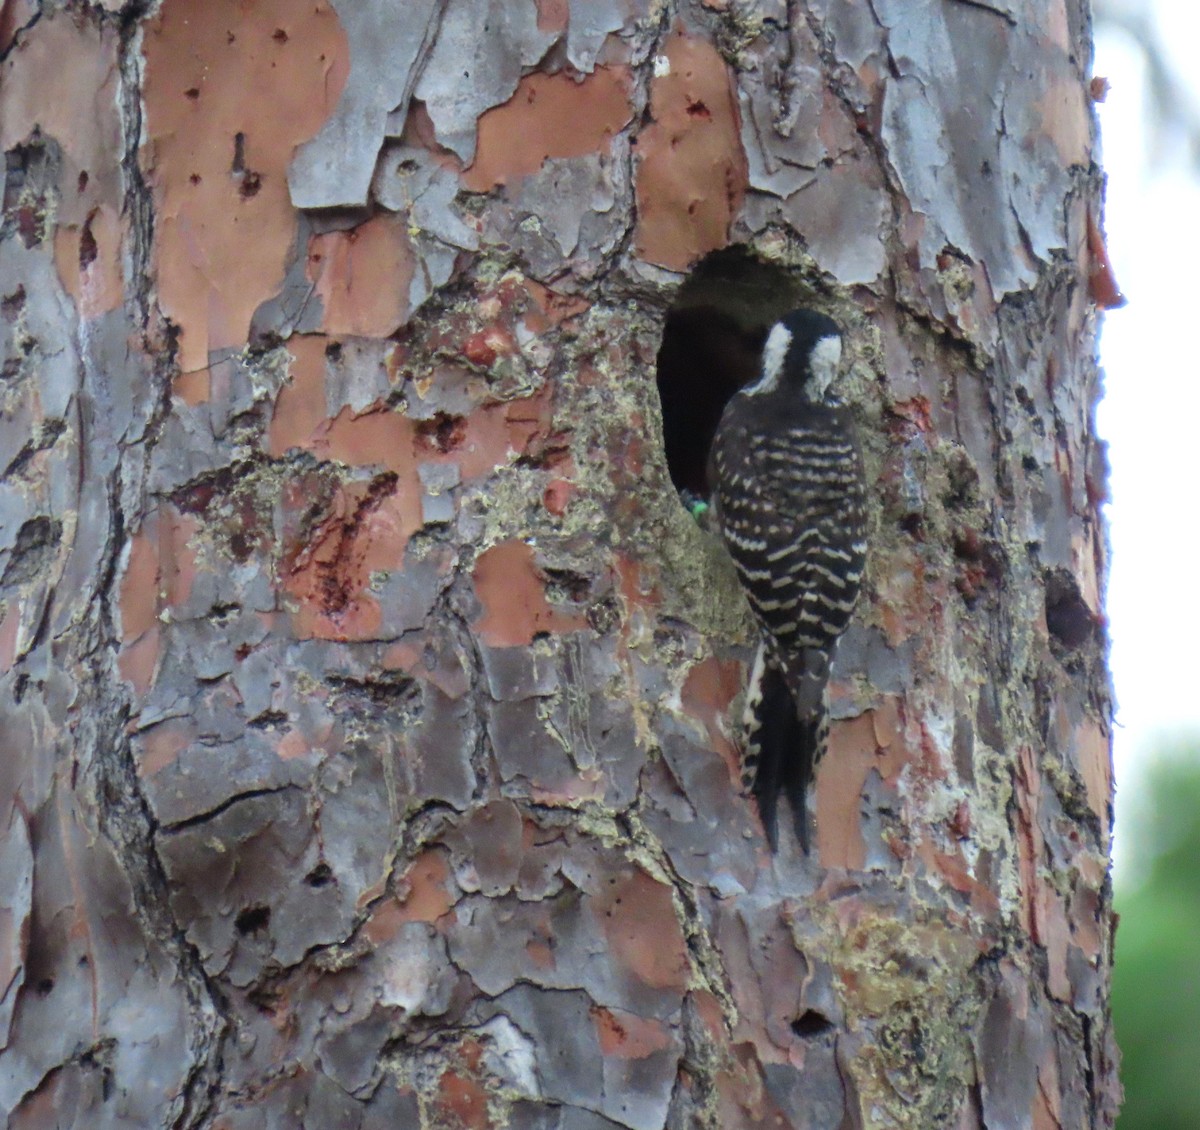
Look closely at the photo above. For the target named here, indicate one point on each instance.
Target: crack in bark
(171, 827)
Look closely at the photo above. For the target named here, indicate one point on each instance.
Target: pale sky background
(1150, 414)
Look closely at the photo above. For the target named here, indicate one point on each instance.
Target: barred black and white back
(790, 501)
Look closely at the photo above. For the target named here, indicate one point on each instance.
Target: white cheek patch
(826, 357)
(774, 352)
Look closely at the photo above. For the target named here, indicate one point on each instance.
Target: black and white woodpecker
(790, 502)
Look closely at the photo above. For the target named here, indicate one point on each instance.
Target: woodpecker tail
(782, 748)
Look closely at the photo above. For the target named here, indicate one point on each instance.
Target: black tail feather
(800, 771)
(785, 758)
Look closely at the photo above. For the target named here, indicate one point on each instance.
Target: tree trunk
(369, 701)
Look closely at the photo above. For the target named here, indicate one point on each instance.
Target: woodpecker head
(801, 356)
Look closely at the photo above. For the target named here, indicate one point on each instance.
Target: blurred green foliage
(1156, 978)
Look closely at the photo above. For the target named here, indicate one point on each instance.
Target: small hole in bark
(711, 346)
(82, 183)
(12, 304)
(963, 480)
(565, 584)
(603, 616)
(319, 876)
(251, 183)
(35, 546)
(269, 720)
(253, 919)
(443, 433)
(811, 1023)
(1067, 615)
(265, 998)
(333, 351)
(279, 35)
(45, 986)
(192, 92)
(87, 243)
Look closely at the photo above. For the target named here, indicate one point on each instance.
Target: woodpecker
(789, 498)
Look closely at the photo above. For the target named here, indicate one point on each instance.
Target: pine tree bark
(368, 701)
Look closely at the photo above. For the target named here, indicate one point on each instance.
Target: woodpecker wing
(790, 505)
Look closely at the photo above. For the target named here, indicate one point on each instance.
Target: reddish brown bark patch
(362, 277)
(328, 573)
(657, 957)
(300, 405)
(1030, 844)
(1102, 282)
(553, 15)
(549, 116)
(10, 624)
(1095, 766)
(954, 869)
(61, 81)
(550, 308)
(424, 889)
(226, 105)
(461, 1102)
(626, 1036)
(376, 437)
(557, 496)
(88, 260)
(138, 660)
(707, 691)
(488, 437)
(159, 574)
(873, 740)
(692, 172)
(639, 589)
(139, 587)
(379, 437)
(160, 746)
(513, 596)
(1066, 119)
(422, 895)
